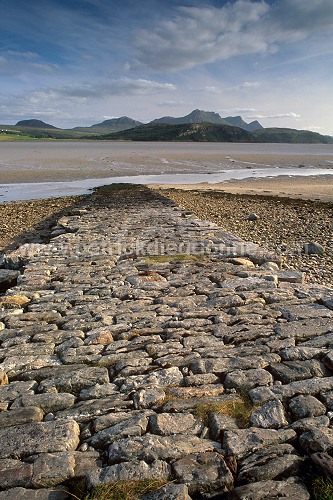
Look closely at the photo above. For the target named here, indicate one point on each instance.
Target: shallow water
(82, 165)
(28, 191)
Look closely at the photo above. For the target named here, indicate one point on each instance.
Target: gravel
(282, 225)
(26, 221)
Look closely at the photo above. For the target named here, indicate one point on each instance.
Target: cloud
(17, 63)
(202, 35)
(117, 87)
(279, 115)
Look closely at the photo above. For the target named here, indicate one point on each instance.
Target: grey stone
(241, 442)
(19, 257)
(148, 398)
(170, 492)
(131, 470)
(313, 248)
(306, 406)
(20, 416)
(278, 467)
(7, 278)
(17, 365)
(298, 312)
(293, 489)
(161, 378)
(135, 426)
(304, 424)
(14, 473)
(151, 447)
(55, 493)
(51, 469)
(75, 380)
(218, 423)
(317, 440)
(248, 379)
(48, 402)
(204, 473)
(310, 386)
(84, 411)
(221, 366)
(40, 437)
(269, 416)
(166, 424)
(291, 371)
(308, 331)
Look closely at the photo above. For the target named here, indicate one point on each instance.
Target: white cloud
(116, 87)
(202, 35)
(279, 115)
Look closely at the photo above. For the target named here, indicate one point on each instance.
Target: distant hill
(187, 132)
(198, 126)
(111, 125)
(291, 136)
(34, 124)
(199, 116)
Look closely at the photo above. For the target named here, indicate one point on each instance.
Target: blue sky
(79, 62)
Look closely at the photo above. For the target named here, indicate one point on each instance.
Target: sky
(79, 62)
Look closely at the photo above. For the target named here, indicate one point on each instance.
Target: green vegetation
(291, 136)
(322, 488)
(126, 490)
(189, 132)
(240, 409)
(126, 129)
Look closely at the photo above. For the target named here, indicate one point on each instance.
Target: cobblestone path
(144, 343)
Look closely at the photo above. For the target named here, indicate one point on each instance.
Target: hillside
(34, 124)
(111, 125)
(195, 132)
(291, 136)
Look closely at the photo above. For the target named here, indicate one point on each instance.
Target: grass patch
(322, 488)
(240, 409)
(125, 490)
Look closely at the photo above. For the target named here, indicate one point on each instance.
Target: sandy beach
(316, 188)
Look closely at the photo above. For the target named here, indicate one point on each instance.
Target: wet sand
(318, 188)
(30, 162)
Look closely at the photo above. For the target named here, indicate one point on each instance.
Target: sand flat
(308, 188)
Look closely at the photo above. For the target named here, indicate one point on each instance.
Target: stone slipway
(129, 338)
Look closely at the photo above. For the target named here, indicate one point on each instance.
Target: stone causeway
(140, 342)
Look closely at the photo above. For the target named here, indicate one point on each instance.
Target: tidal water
(78, 166)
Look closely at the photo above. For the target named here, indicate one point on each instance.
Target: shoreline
(284, 225)
(314, 188)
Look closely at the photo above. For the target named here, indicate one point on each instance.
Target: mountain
(182, 132)
(34, 124)
(199, 116)
(291, 136)
(111, 125)
(237, 121)
(196, 116)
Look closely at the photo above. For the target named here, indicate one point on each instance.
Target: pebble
(128, 340)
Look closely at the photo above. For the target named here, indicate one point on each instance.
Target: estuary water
(43, 169)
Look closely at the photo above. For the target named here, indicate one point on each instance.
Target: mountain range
(125, 123)
(199, 126)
